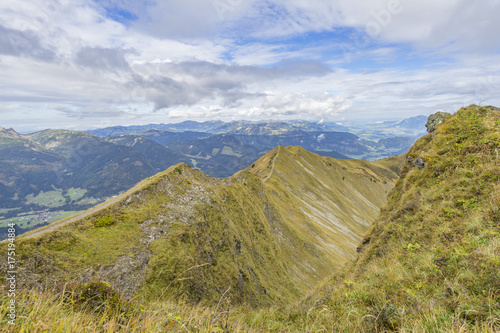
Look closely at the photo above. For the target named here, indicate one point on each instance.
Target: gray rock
(435, 119)
(127, 274)
(419, 162)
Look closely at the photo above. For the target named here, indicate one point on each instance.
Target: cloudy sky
(82, 64)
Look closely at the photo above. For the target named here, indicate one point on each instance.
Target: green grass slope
(339, 199)
(431, 262)
(263, 237)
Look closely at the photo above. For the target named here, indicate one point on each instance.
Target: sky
(84, 64)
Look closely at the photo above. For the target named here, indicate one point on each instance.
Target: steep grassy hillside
(431, 262)
(265, 236)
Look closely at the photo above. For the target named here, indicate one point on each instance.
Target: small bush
(104, 221)
(97, 297)
(383, 319)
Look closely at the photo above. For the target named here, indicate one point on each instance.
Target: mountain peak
(9, 132)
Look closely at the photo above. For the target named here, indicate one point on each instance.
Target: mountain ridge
(53, 173)
(241, 231)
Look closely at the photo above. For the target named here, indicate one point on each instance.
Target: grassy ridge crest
(262, 237)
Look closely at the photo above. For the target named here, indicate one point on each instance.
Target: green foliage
(104, 221)
(411, 247)
(96, 297)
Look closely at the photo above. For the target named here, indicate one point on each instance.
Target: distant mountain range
(69, 170)
(39, 169)
(328, 139)
(413, 127)
(220, 127)
(412, 123)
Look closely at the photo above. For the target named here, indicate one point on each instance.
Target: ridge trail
(272, 168)
(79, 216)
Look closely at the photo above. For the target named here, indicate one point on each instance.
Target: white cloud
(256, 58)
(424, 22)
(8, 107)
(322, 105)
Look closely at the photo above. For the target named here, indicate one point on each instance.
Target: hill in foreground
(265, 236)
